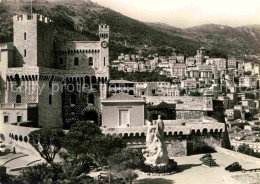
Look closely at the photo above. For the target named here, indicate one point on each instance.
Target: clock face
(104, 44)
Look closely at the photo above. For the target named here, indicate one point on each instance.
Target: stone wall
(68, 61)
(177, 148)
(30, 44)
(45, 44)
(13, 112)
(235, 154)
(188, 114)
(22, 144)
(50, 115)
(28, 90)
(198, 101)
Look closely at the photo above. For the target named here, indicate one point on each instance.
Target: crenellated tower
(104, 41)
(33, 39)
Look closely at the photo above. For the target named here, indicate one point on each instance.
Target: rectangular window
(104, 61)
(24, 36)
(6, 119)
(124, 118)
(61, 61)
(50, 99)
(24, 53)
(19, 118)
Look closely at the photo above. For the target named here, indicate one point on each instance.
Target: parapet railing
(17, 105)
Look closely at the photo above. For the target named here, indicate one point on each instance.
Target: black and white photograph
(129, 92)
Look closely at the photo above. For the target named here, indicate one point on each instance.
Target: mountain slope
(236, 41)
(79, 20)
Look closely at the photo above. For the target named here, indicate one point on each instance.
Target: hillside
(235, 41)
(78, 20)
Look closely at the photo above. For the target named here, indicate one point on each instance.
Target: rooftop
(121, 82)
(123, 97)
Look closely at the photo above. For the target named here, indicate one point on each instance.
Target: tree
(75, 141)
(47, 142)
(128, 175)
(218, 52)
(106, 145)
(55, 174)
(123, 163)
(85, 144)
(245, 149)
(153, 76)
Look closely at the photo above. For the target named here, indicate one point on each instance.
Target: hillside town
(64, 119)
(232, 81)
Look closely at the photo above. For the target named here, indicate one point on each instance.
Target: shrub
(169, 168)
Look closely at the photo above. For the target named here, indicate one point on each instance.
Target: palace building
(49, 83)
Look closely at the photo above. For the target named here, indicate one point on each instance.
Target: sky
(188, 13)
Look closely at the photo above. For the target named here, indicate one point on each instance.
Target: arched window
(90, 61)
(61, 61)
(73, 98)
(18, 99)
(76, 61)
(20, 138)
(18, 80)
(25, 139)
(131, 92)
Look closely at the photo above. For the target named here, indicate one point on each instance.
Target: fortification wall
(235, 154)
(78, 46)
(18, 137)
(174, 99)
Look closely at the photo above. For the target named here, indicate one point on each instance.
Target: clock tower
(104, 43)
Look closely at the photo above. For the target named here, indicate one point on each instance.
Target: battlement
(34, 16)
(8, 45)
(103, 27)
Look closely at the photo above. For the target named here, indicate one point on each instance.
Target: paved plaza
(191, 171)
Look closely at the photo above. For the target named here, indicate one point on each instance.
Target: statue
(156, 151)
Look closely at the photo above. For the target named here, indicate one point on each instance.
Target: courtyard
(191, 171)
